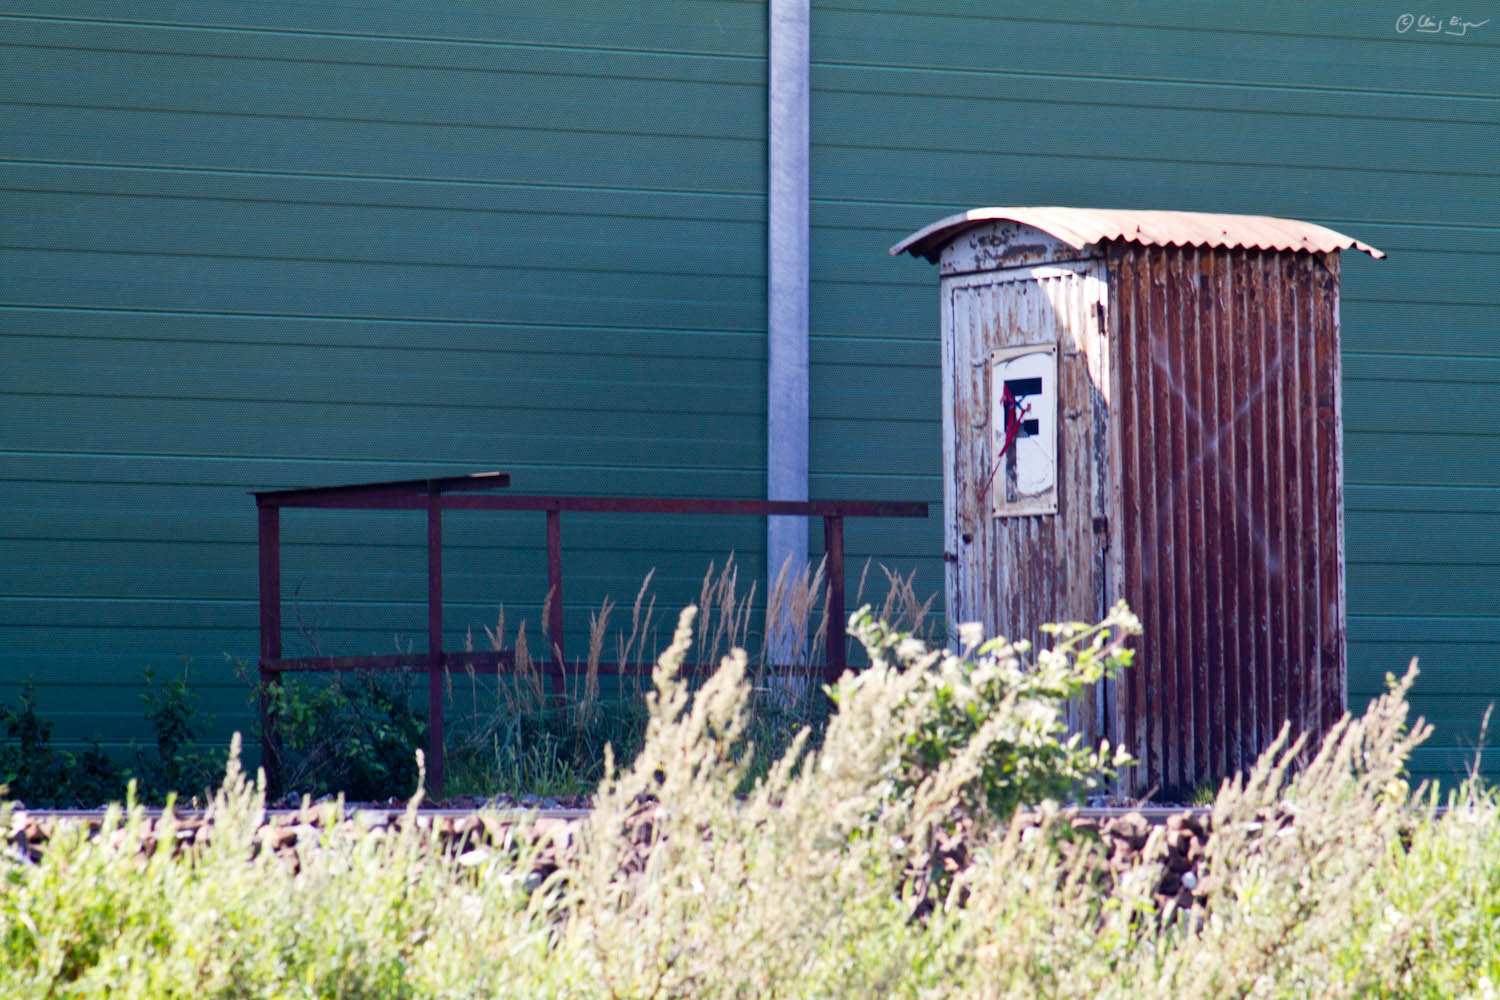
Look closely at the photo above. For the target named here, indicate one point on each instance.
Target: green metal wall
(1321, 112)
(280, 244)
(264, 245)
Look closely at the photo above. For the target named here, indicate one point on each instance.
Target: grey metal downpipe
(787, 268)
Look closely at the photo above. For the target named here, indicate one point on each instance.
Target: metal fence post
(268, 543)
(555, 607)
(833, 544)
(434, 641)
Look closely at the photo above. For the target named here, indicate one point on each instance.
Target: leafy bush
(181, 766)
(353, 733)
(1007, 718)
(35, 772)
(32, 770)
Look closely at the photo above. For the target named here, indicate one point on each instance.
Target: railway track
(1172, 838)
(1154, 815)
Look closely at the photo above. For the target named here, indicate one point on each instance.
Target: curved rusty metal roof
(1079, 227)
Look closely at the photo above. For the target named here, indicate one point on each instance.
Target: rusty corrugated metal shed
(1197, 468)
(1080, 227)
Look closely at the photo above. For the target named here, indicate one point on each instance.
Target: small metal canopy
(1080, 227)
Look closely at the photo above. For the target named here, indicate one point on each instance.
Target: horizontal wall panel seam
(1151, 17)
(496, 265)
(415, 40)
(1189, 103)
(896, 71)
(1434, 488)
(1419, 301)
(438, 185)
(721, 218)
(373, 320)
(979, 12)
(726, 135)
(703, 409)
(1206, 161)
(1402, 358)
(587, 57)
(197, 458)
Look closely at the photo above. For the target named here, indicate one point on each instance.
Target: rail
(436, 495)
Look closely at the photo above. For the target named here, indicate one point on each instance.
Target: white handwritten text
(1426, 24)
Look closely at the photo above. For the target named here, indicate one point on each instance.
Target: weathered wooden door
(1026, 543)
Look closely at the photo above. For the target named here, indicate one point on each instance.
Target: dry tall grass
(513, 735)
(1332, 879)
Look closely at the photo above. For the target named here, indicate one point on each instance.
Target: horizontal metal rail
(500, 661)
(368, 493)
(436, 495)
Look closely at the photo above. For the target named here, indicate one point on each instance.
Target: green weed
(34, 771)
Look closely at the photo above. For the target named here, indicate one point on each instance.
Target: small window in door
(1023, 430)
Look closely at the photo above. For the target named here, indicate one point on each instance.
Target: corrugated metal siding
(1231, 529)
(286, 244)
(1314, 112)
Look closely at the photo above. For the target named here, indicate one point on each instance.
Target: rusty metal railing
(467, 493)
